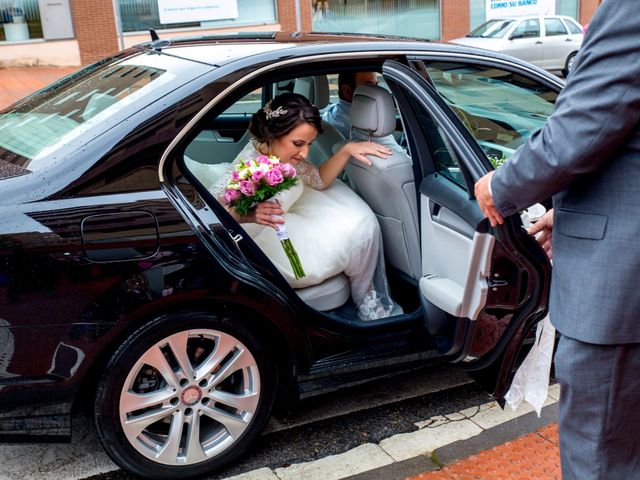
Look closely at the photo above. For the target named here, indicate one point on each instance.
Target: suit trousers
(599, 419)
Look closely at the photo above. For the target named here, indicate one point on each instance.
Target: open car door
(482, 288)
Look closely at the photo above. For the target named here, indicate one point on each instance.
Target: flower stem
(294, 260)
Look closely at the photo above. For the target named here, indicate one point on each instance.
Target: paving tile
(358, 460)
(260, 474)
(398, 470)
(550, 432)
(16, 83)
(407, 445)
(530, 456)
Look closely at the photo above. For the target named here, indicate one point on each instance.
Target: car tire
(184, 395)
(568, 66)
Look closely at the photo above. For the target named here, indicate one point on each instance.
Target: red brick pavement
(16, 83)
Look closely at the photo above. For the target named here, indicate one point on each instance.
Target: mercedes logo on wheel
(191, 395)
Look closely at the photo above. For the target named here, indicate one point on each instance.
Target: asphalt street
(321, 426)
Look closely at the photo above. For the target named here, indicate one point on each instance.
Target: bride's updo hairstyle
(281, 115)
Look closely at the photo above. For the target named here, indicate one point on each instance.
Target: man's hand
(543, 227)
(485, 200)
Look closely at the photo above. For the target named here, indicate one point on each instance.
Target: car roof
(525, 17)
(220, 49)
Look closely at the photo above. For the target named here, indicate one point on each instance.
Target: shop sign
(186, 11)
(515, 8)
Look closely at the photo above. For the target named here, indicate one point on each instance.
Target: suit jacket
(588, 157)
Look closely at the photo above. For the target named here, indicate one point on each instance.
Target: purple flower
(257, 176)
(274, 177)
(263, 159)
(235, 175)
(247, 187)
(231, 195)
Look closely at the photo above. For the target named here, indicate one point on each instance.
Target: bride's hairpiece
(273, 113)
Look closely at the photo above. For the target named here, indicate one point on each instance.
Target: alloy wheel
(190, 397)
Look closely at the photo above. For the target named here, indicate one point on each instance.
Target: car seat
(388, 184)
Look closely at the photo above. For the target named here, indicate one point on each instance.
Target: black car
(125, 283)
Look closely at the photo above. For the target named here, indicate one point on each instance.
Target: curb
(437, 442)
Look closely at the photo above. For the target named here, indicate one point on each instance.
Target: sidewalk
(16, 83)
(532, 456)
(479, 443)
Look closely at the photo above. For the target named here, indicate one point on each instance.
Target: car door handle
(539, 42)
(568, 40)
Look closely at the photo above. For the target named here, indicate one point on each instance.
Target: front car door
(483, 288)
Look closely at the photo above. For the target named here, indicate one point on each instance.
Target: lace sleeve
(310, 176)
(218, 188)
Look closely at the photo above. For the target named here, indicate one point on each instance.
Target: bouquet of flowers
(254, 181)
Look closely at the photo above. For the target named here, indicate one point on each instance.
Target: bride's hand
(268, 214)
(360, 150)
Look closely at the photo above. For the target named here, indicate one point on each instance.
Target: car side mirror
(516, 35)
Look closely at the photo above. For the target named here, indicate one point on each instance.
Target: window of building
(418, 18)
(20, 20)
(138, 15)
(567, 7)
(477, 13)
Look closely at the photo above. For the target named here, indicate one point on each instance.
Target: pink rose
(274, 177)
(247, 187)
(263, 159)
(235, 175)
(287, 170)
(231, 195)
(257, 176)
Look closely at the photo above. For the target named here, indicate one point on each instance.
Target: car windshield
(491, 29)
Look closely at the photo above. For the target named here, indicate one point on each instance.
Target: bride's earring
(262, 147)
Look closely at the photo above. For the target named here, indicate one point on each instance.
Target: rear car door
(558, 44)
(483, 288)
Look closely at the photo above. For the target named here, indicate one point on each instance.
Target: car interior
(431, 253)
(388, 186)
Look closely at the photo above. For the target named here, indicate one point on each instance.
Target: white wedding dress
(334, 231)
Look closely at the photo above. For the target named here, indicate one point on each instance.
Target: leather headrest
(373, 111)
(316, 89)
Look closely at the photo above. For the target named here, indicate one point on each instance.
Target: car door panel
(462, 259)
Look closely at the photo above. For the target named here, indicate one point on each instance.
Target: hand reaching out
(485, 200)
(360, 150)
(542, 230)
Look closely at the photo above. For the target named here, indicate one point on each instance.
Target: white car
(550, 42)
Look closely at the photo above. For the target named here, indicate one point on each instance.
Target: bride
(333, 230)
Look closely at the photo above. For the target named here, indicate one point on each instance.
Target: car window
(247, 105)
(210, 153)
(491, 29)
(527, 29)
(500, 109)
(554, 26)
(573, 27)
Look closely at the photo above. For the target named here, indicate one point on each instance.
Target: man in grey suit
(588, 157)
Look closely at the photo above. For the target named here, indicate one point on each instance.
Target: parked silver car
(550, 42)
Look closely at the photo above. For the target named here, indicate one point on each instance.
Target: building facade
(78, 32)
